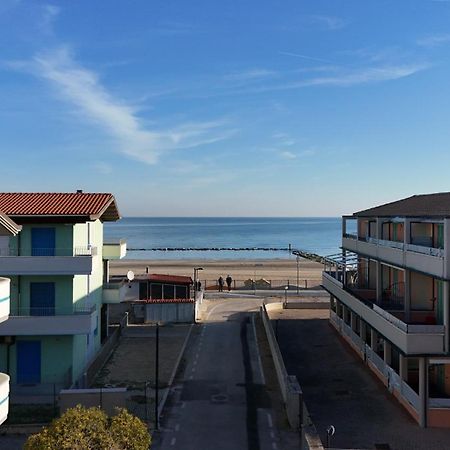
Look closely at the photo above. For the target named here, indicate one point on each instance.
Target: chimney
(79, 191)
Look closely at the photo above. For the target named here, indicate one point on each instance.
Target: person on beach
(229, 280)
(220, 282)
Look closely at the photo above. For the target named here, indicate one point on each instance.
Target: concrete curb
(174, 371)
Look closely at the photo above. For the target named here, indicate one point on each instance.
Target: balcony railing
(423, 246)
(73, 251)
(52, 311)
(367, 296)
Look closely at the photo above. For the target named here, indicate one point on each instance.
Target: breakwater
(206, 249)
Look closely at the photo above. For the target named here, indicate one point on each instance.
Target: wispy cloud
(102, 168)
(249, 75)
(82, 88)
(171, 28)
(310, 58)
(326, 22)
(347, 78)
(434, 40)
(365, 76)
(288, 155)
(49, 14)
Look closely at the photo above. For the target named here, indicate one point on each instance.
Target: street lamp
(285, 295)
(298, 275)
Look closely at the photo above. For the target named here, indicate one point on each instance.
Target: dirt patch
(134, 360)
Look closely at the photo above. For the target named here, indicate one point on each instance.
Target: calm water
(318, 235)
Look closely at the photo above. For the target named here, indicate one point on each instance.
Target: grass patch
(27, 414)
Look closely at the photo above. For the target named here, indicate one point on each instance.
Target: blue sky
(236, 108)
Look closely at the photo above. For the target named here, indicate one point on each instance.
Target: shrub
(82, 428)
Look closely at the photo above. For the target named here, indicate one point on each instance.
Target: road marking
(191, 377)
(172, 442)
(272, 435)
(258, 356)
(269, 420)
(214, 308)
(183, 404)
(195, 362)
(274, 445)
(196, 356)
(193, 369)
(177, 427)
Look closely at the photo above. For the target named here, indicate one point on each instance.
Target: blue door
(42, 299)
(43, 242)
(28, 362)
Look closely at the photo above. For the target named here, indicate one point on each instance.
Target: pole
(146, 412)
(298, 275)
(157, 378)
(195, 282)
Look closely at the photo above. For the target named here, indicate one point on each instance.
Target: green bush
(82, 428)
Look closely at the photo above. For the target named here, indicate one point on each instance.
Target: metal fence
(264, 284)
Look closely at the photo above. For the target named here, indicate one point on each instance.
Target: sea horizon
(249, 237)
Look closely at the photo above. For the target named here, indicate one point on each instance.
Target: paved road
(219, 401)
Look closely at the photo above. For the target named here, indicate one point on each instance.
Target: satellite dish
(130, 275)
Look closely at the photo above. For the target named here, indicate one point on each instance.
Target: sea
(249, 237)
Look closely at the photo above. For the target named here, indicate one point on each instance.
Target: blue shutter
(43, 242)
(42, 299)
(28, 362)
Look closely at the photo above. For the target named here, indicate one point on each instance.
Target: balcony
(416, 257)
(57, 261)
(50, 321)
(115, 250)
(4, 299)
(4, 397)
(410, 338)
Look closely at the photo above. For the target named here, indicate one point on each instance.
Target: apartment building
(389, 292)
(7, 228)
(57, 266)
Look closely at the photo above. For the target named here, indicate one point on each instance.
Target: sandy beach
(270, 269)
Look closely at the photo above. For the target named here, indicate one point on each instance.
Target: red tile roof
(173, 279)
(86, 205)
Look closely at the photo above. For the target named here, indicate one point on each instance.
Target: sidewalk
(339, 390)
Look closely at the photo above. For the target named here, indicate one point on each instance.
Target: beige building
(389, 292)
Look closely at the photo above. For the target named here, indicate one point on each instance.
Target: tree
(83, 428)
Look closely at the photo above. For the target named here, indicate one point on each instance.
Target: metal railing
(417, 245)
(72, 251)
(52, 311)
(263, 284)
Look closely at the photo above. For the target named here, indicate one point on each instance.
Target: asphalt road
(219, 399)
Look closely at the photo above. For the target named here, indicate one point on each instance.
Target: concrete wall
(88, 289)
(170, 312)
(290, 389)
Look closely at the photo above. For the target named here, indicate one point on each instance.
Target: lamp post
(285, 295)
(196, 270)
(298, 275)
(157, 377)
